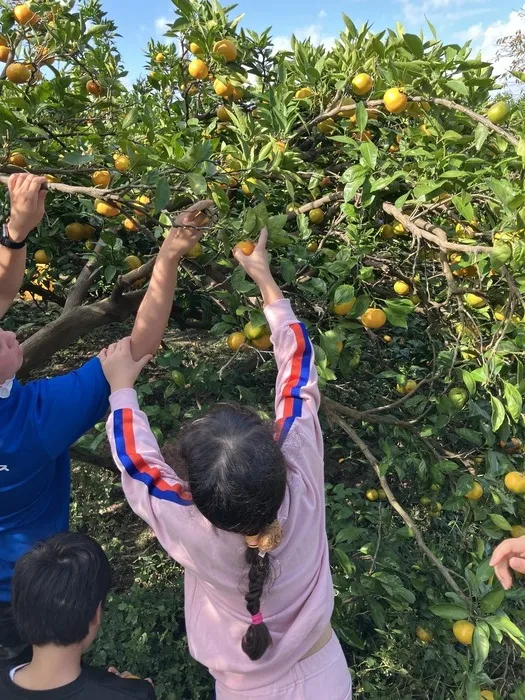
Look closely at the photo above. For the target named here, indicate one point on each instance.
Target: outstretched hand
(27, 204)
(510, 554)
(119, 367)
(257, 264)
(189, 227)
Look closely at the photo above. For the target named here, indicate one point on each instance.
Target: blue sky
(482, 21)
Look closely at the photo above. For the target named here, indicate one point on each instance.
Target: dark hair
(237, 477)
(57, 588)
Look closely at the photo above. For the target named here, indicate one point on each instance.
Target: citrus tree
(390, 179)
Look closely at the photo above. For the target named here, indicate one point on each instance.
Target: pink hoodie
(297, 607)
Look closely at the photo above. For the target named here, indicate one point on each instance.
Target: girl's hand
(257, 264)
(27, 204)
(119, 367)
(510, 554)
(189, 227)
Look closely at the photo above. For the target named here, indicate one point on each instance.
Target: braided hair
(237, 477)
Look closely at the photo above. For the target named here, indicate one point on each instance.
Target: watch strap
(7, 241)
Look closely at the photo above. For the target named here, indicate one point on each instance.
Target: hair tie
(257, 619)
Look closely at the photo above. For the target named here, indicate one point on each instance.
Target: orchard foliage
(396, 216)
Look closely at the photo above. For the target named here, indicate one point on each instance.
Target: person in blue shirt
(41, 420)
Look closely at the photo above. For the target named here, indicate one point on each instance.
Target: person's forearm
(154, 312)
(12, 266)
(269, 289)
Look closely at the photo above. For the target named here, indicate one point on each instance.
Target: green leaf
(500, 255)
(471, 436)
(397, 311)
(95, 30)
(520, 148)
(131, 117)
(492, 601)
(77, 159)
(361, 116)
(109, 272)
(344, 293)
(197, 183)
(250, 221)
(513, 399)
(414, 45)
(288, 271)
(498, 413)
(469, 382)
(504, 624)
(480, 647)
(369, 154)
(500, 521)
(449, 611)
(458, 86)
(162, 194)
(481, 133)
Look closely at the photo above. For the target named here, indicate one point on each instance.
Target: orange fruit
(143, 200)
(4, 53)
(246, 247)
(395, 101)
(222, 114)
(423, 634)
(222, 89)
(463, 631)
(52, 178)
(94, 88)
(373, 318)
(515, 482)
(198, 69)
(194, 252)
(25, 16)
(327, 126)
(101, 178)
(316, 216)
(475, 493)
(372, 495)
(122, 163)
(133, 262)
(262, 343)
(106, 209)
(236, 340)
(225, 48)
(195, 49)
(41, 257)
(130, 225)
(18, 160)
(362, 83)
(18, 73)
(517, 531)
(160, 58)
(343, 308)
(75, 231)
(304, 93)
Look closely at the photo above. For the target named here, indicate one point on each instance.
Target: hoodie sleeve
(150, 485)
(297, 395)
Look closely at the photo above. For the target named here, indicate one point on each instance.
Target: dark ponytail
(257, 638)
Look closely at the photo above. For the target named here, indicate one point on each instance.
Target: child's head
(237, 477)
(59, 588)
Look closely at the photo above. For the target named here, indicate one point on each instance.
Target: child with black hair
(243, 506)
(59, 588)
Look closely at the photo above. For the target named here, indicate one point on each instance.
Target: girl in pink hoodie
(242, 509)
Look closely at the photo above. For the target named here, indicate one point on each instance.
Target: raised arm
(27, 209)
(154, 312)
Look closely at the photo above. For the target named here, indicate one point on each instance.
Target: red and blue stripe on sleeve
(137, 467)
(298, 379)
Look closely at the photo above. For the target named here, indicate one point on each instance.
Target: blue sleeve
(69, 406)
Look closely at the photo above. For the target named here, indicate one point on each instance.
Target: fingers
(143, 361)
(263, 240)
(103, 354)
(514, 546)
(199, 206)
(114, 671)
(502, 571)
(111, 349)
(125, 343)
(13, 182)
(239, 255)
(35, 185)
(518, 564)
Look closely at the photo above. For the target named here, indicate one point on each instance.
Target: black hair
(57, 588)
(237, 477)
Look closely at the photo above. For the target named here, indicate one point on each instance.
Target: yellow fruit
(25, 16)
(160, 58)
(517, 531)
(41, 257)
(237, 94)
(225, 48)
(198, 69)
(395, 101)
(372, 495)
(312, 247)
(105, 209)
(52, 178)
(75, 231)
(90, 245)
(339, 346)
(373, 318)
(122, 163)
(246, 187)
(423, 634)
(463, 631)
(130, 225)
(194, 252)
(304, 93)
(399, 229)
(362, 83)
(515, 482)
(411, 385)
(94, 88)
(253, 332)
(401, 288)
(143, 200)
(316, 216)
(382, 494)
(475, 301)
(386, 231)
(246, 247)
(327, 126)
(4, 53)
(195, 49)
(263, 343)
(132, 262)
(498, 113)
(18, 73)
(487, 695)
(222, 114)
(222, 89)
(343, 308)
(3, 41)
(101, 178)
(475, 493)
(387, 338)
(236, 340)
(18, 159)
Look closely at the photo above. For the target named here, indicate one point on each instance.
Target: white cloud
(414, 10)
(322, 14)
(161, 25)
(313, 31)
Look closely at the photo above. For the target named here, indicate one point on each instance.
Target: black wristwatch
(6, 240)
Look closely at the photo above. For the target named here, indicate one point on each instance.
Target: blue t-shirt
(38, 424)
